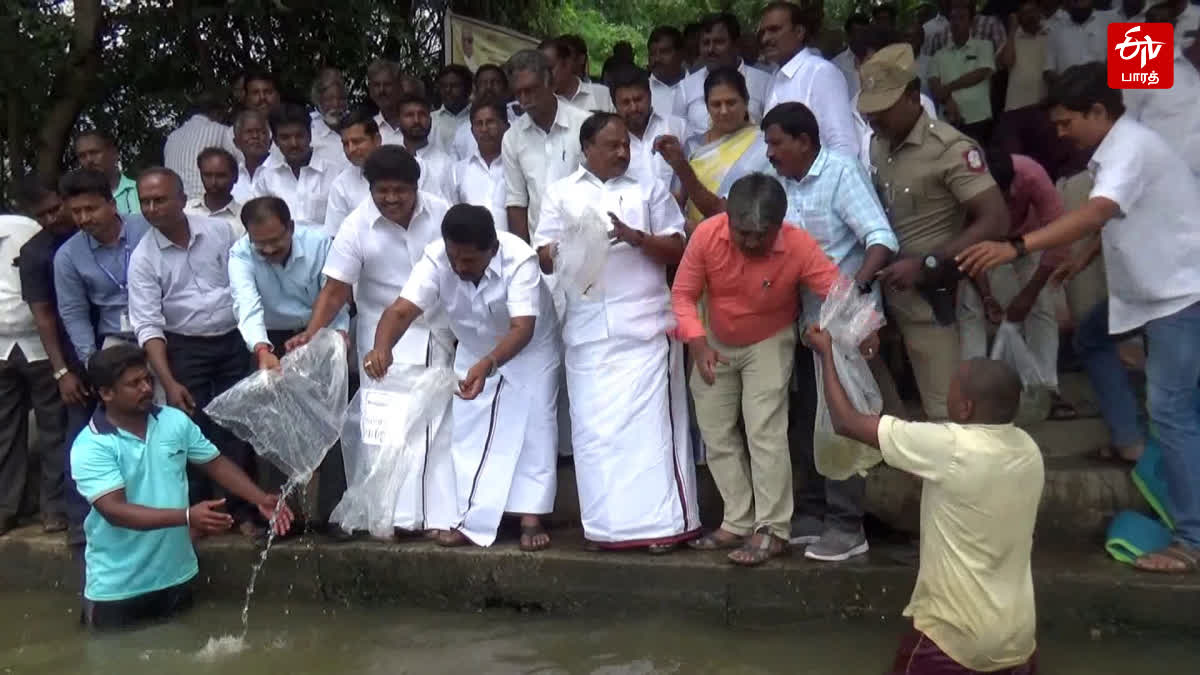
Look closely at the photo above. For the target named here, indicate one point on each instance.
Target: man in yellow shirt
(972, 608)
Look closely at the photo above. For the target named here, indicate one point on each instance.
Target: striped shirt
(184, 145)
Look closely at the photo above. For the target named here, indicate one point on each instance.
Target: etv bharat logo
(1144, 55)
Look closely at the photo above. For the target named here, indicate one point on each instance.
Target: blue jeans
(1173, 391)
(1114, 393)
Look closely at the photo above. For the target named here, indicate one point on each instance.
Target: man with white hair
(329, 96)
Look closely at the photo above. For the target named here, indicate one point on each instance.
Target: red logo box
(1141, 55)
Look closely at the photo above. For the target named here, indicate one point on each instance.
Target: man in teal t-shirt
(130, 463)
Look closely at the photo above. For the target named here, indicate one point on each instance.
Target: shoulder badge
(974, 161)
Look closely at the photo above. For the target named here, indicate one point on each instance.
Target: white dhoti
(633, 461)
(505, 445)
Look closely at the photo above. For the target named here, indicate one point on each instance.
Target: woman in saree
(709, 163)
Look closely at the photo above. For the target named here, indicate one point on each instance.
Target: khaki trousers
(1040, 327)
(755, 484)
(934, 351)
(1090, 286)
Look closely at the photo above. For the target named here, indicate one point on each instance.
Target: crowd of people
(919, 165)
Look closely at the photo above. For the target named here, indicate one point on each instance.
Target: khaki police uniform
(923, 182)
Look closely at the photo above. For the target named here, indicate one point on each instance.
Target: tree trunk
(72, 88)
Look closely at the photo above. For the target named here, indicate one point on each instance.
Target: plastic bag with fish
(292, 416)
(849, 317)
(383, 443)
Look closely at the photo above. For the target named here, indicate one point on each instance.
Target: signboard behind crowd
(471, 43)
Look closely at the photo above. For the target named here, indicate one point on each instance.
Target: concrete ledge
(1076, 591)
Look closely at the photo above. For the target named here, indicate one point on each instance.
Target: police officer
(936, 188)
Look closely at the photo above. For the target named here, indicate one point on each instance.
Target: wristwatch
(864, 287)
(1018, 243)
(58, 374)
(932, 262)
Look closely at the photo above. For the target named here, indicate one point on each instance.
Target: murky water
(39, 634)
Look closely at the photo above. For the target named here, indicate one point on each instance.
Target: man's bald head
(993, 390)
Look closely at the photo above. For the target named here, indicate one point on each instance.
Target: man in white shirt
(298, 177)
(384, 90)
(633, 460)
(542, 145)
(252, 139)
(329, 96)
(666, 51)
(1080, 39)
(806, 78)
(260, 91)
(509, 356)
(633, 96)
(218, 170)
(855, 26)
(415, 127)
(203, 129)
(1146, 205)
(586, 96)
(490, 84)
(27, 383)
(360, 136)
(374, 254)
(181, 309)
(454, 89)
(1172, 112)
(718, 47)
(479, 179)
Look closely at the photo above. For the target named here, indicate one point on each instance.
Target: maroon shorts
(918, 655)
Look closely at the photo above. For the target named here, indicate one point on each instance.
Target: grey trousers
(838, 503)
(26, 386)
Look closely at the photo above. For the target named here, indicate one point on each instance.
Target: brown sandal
(768, 546)
(1183, 560)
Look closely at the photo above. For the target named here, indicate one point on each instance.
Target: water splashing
(288, 488)
(221, 647)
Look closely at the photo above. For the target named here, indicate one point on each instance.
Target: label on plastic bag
(379, 414)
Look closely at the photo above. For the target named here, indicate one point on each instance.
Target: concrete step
(1080, 498)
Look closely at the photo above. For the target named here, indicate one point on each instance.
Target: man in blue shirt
(130, 463)
(275, 275)
(831, 197)
(91, 268)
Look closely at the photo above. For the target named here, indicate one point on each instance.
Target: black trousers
(331, 475)
(208, 367)
(26, 386)
(154, 606)
(77, 507)
(838, 503)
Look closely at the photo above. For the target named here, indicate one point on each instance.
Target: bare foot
(452, 538)
(434, 534)
(533, 536)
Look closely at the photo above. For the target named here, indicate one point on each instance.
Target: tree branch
(72, 86)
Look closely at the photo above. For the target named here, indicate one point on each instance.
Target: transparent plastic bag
(849, 317)
(582, 254)
(382, 444)
(291, 416)
(1036, 384)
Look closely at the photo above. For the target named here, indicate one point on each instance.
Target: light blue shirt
(269, 296)
(124, 563)
(92, 281)
(836, 203)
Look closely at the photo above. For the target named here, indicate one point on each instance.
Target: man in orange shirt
(753, 272)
